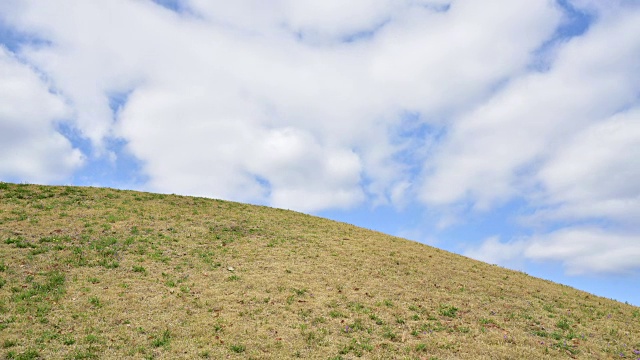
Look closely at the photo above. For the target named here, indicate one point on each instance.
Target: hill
(100, 273)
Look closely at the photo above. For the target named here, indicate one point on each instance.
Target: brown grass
(99, 273)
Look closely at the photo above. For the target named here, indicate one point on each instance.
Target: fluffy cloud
(581, 249)
(568, 141)
(597, 173)
(493, 251)
(32, 150)
(220, 94)
(588, 249)
(491, 153)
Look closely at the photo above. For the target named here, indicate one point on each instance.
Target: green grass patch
(448, 311)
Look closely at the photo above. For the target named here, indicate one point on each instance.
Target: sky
(506, 130)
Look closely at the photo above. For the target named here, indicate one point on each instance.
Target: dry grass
(99, 273)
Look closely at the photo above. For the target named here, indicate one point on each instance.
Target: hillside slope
(101, 273)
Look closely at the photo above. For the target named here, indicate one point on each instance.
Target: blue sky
(506, 131)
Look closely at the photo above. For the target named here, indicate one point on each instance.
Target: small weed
(53, 288)
(109, 264)
(357, 347)
(237, 348)
(217, 328)
(563, 324)
(377, 320)
(299, 292)
(139, 269)
(389, 334)
(356, 325)
(92, 339)
(358, 307)
(318, 320)
(564, 346)
(95, 302)
(541, 333)
(485, 321)
(29, 354)
(20, 243)
(447, 310)
(162, 340)
(304, 313)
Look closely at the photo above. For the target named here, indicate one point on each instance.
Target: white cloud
(298, 167)
(442, 63)
(493, 251)
(567, 141)
(588, 249)
(90, 58)
(581, 249)
(594, 176)
(491, 154)
(316, 22)
(212, 92)
(597, 173)
(32, 150)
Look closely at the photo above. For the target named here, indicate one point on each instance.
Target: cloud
(565, 140)
(491, 154)
(588, 250)
(87, 58)
(493, 251)
(593, 179)
(318, 22)
(597, 173)
(32, 150)
(581, 250)
(220, 93)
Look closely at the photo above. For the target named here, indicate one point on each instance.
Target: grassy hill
(99, 273)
